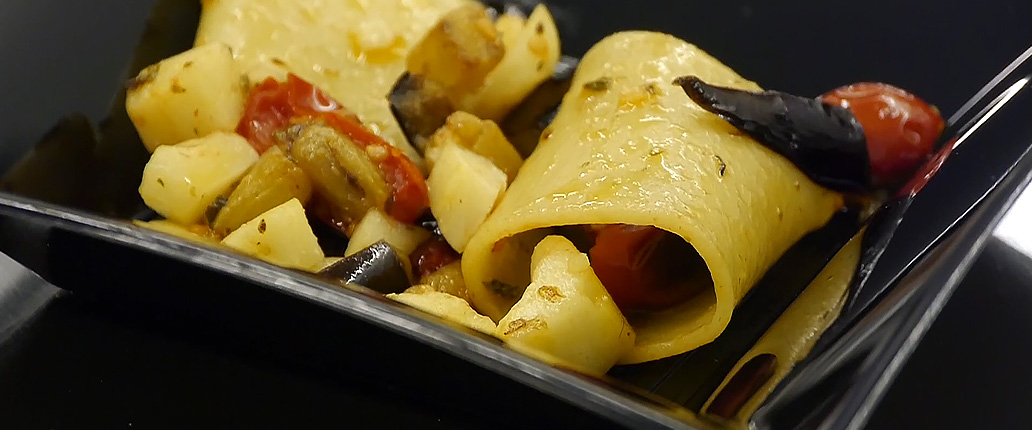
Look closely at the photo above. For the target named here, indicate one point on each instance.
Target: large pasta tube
(629, 147)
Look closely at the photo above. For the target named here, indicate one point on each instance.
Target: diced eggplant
(341, 172)
(420, 106)
(491, 87)
(378, 226)
(377, 267)
(430, 223)
(448, 65)
(332, 235)
(459, 51)
(526, 123)
(826, 142)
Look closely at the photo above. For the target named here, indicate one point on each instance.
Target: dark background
(86, 364)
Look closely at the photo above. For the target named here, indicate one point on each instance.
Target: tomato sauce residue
(272, 106)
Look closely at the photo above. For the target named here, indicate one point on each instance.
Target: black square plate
(71, 163)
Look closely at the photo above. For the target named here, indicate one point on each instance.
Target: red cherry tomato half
(432, 255)
(901, 129)
(643, 268)
(273, 105)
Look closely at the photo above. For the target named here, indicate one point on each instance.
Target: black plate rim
(399, 319)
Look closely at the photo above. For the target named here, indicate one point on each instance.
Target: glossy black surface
(971, 369)
(98, 359)
(961, 55)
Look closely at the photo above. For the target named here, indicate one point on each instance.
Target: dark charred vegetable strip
(826, 142)
(377, 267)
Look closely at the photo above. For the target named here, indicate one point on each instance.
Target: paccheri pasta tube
(787, 341)
(629, 147)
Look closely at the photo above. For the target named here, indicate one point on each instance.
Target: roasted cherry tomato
(274, 105)
(901, 129)
(432, 255)
(643, 268)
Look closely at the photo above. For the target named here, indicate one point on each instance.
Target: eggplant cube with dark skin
(377, 267)
(449, 64)
(459, 51)
(421, 107)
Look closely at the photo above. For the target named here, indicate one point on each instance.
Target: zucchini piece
(273, 180)
(340, 171)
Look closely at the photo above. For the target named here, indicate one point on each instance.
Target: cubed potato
(460, 51)
(181, 181)
(377, 226)
(190, 95)
(566, 317)
(482, 136)
(448, 307)
(272, 181)
(280, 236)
(530, 58)
(464, 187)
